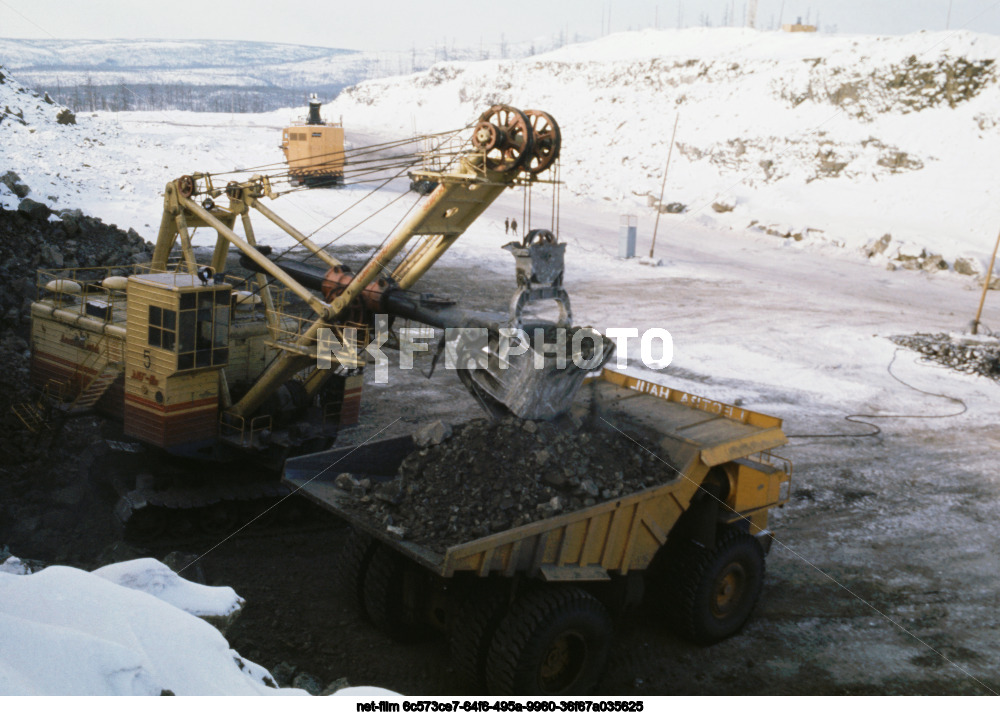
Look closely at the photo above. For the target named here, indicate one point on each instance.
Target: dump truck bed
(693, 434)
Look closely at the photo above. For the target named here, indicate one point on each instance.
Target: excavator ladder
(36, 414)
(95, 389)
(96, 374)
(31, 414)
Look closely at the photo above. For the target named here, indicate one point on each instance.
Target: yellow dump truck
(528, 610)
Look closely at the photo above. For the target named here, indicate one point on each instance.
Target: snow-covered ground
(731, 85)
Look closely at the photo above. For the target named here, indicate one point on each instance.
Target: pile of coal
(487, 476)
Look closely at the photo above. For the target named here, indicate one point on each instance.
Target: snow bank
(64, 631)
(157, 579)
(12, 565)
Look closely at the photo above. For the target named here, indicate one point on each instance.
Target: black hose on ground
(876, 430)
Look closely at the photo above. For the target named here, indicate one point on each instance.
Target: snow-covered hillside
(837, 139)
(64, 63)
(131, 55)
(25, 107)
(881, 145)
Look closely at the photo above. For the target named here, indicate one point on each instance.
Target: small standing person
(513, 226)
(506, 226)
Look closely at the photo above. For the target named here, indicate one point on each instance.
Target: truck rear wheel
(554, 640)
(713, 592)
(385, 591)
(471, 634)
(353, 561)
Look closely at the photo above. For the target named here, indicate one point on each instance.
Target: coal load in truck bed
(490, 476)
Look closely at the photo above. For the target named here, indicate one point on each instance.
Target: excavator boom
(508, 147)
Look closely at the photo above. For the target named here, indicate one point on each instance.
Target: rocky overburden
(46, 507)
(34, 237)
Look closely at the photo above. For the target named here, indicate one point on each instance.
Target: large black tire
(471, 634)
(711, 593)
(352, 566)
(384, 597)
(554, 640)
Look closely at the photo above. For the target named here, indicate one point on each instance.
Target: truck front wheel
(714, 591)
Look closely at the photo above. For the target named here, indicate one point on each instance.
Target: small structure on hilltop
(797, 26)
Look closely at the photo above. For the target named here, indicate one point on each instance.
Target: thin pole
(663, 186)
(527, 223)
(986, 287)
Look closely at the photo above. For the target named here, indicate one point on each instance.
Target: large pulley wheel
(505, 137)
(185, 186)
(486, 137)
(548, 140)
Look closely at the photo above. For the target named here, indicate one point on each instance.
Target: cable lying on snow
(875, 429)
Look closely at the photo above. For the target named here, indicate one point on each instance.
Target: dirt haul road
(885, 577)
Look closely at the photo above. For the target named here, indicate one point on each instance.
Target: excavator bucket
(535, 373)
(535, 370)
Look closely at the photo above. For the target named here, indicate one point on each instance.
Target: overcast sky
(402, 24)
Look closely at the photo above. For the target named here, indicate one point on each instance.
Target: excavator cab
(172, 369)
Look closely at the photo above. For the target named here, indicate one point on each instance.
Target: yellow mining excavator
(201, 364)
(314, 149)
